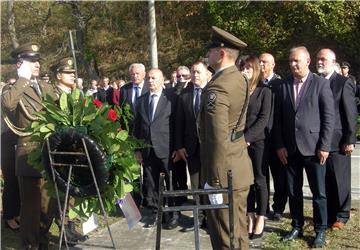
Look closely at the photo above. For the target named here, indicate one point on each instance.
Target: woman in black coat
(257, 118)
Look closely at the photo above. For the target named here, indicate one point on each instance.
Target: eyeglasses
(178, 76)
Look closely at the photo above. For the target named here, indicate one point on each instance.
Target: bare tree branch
(11, 24)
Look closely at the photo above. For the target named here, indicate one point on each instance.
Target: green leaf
(89, 117)
(72, 214)
(114, 148)
(44, 129)
(128, 188)
(122, 135)
(64, 102)
(35, 124)
(75, 94)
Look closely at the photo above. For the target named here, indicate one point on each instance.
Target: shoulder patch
(211, 101)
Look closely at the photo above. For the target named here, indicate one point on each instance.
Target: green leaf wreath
(101, 123)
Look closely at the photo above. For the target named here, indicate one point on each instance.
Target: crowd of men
(196, 122)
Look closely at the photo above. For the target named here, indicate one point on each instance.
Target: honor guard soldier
(24, 98)
(64, 73)
(222, 145)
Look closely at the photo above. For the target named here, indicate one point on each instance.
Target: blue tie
(136, 95)
(197, 101)
(151, 107)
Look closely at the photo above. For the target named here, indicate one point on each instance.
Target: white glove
(24, 70)
(215, 199)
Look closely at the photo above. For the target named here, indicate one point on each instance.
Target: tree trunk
(11, 24)
(81, 43)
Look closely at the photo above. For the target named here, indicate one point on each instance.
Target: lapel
(161, 103)
(308, 84)
(189, 100)
(32, 96)
(333, 80)
(290, 90)
(145, 108)
(129, 97)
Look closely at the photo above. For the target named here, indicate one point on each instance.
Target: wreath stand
(62, 209)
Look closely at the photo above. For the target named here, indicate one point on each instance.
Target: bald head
(155, 79)
(267, 65)
(325, 61)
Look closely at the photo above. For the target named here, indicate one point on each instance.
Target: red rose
(97, 103)
(111, 115)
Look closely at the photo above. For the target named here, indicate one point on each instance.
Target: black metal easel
(62, 209)
(195, 208)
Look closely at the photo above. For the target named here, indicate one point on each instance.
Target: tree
(275, 27)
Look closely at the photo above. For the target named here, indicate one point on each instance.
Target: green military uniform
(24, 98)
(65, 65)
(222, 102)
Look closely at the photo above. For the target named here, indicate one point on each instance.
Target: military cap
(64, 65)
(223, 39)
(345, 65)
(28, 51)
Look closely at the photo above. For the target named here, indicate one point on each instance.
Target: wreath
(65, 123)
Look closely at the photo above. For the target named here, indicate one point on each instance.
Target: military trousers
(37, 211)
(219, 225)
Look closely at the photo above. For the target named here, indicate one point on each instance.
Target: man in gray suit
(338, 172)
(303, 127)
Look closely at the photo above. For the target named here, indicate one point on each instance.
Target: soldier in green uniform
(24, 98)
(64, 74)
(222, 146)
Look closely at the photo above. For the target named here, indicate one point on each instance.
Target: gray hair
(183, 68)
(302, 48)
(138, 65)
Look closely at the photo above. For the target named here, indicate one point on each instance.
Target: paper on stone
(90, 224)
(215, 199)
(130, 210)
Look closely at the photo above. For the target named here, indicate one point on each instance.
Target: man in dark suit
(304, 123)
(154, 123)
(130, 92)
(272, 80)
(186, 138)
(338, 173)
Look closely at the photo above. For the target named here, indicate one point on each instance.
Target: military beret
(223, 39)
(64, 65)
(345, 65)
(28, 51)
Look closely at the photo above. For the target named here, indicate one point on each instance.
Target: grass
(348, 238)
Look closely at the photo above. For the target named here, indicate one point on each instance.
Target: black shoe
(151, 221)
(255, 236)
(43, 246)
(171, 224)
(72, 236)
(276, 216)
(75, 235)
(258, 236)
(294, 234)
(319, 240)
